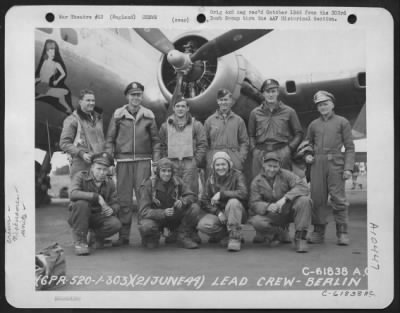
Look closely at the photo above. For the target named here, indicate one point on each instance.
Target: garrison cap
(103, 158)
(223, 92)
(134, 87)
(323, 95)
(180, 98)
(271, 156)
(269, 84)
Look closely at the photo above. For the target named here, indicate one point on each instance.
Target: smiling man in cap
(132, 138)
(278, 197)
(330, 167)
(93, 204)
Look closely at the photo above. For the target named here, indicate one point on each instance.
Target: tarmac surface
(212, 267)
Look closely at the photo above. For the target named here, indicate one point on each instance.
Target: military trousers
(187, 170)
(130, 175)
(184, 222)
(84, 216)
(297, 211)
(327, 180)
(235, 214)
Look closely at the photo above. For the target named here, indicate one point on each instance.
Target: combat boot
(121, 242)
(95, 242)
(172, 237)
(123, 237)
(341, 234)
(234, 239)
(284, 235)
(186, 242)
(301, 241)
(318, 235)
(195, 237)
(81, 246)
(259, 238)
(218, 237)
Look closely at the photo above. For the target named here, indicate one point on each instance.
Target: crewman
(273, 126)
(224, 194)
(184, 142)
(226, 131)
(166, 202)
(132, 138)
(330, 167)
(94, 204)
(278, 197)
(82, 134)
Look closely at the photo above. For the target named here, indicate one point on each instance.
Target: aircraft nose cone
(176, 58)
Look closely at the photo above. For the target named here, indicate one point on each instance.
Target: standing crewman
(226, 131)
(222, 203)
(330, 167)
(273, 127)
(94, 204)
(184, 142)
(166, 202)
(132, 139)
(82, 134)
(278, 197)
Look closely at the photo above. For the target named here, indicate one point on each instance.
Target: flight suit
(233, 193)
(85, 211)
(155, 197)
(278, 130)
(328, 136)
(186, 147)
(81, 134)
(297, 209)
(227, 134)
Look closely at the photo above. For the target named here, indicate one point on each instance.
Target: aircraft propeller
(188, 64)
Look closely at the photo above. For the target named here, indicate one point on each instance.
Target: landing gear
(42, 181)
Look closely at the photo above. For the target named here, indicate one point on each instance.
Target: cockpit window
(69, 35)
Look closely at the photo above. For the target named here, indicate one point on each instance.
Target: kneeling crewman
(278, 197)
(222, 199)
(93, 204)
(165, 202)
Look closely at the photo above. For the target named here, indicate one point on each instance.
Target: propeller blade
(227, 43)
(155, 38)
(177, 91)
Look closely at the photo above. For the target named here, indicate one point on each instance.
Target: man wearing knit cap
(278, 197)
(226, 131)
(330, 168)
(132, 138)
(94, 204)
(224, 194)
(166, 202)
(184, 142)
